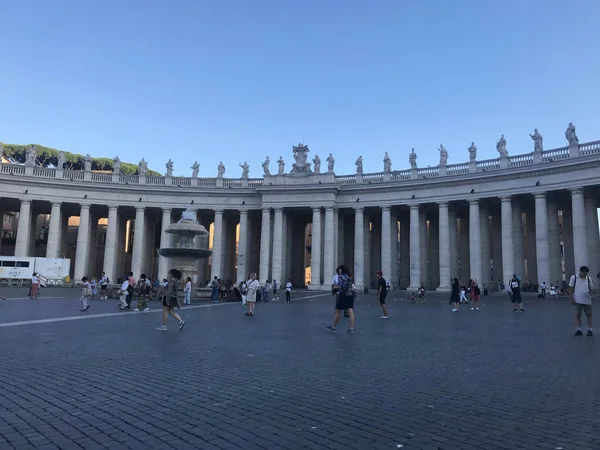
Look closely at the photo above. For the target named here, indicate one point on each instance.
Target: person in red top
(475, 293)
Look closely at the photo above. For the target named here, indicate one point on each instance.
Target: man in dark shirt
(382, 293)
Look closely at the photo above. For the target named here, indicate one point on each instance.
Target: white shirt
(188, 286)
(35, 280)
(335, 280)
(582, 294)
(253, 286)
(125, 285)
(288, 286)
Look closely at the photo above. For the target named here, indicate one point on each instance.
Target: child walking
(94, 287)
(86, 293)
(170, 302)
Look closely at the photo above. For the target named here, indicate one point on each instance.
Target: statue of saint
(220, 170)
(443, 155)
(265, 166)
(245, 169)
(330, 163)
(116, 165)
(300, 155)
(501, 147)
(317, 162)
(87, 163)
(359, 165)
(61, 161)
(195, 169)
(188, 215)
(387, 163)
(169, 167)
(142, 167)
(538, 141)
(280, 165)
(571, 135)
(472, 152)
(412, 159)
(30, 157)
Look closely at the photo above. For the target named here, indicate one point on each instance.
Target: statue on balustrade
(169, 167)
(443, 155)
(1, 151)
(61, 161)
(265, 166)
(571, 135)
(195, 169)
(280, 166)
(538, 146)
(317, 162)
(387, 163)
(30, 157)
(245, 169)
(412, 159)
(472, 152)
(87, 163)
(300, 155)
(330, 163)
(501, 147)
(359, 165)
(142, 167)
(220, 170)
(116, 165)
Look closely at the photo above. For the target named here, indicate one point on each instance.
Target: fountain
(187, 251)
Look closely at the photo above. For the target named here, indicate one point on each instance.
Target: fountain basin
(192, 253)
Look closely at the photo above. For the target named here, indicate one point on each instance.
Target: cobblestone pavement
(424, 379)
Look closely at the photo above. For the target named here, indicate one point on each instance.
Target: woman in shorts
(170, 301)
(344, 300)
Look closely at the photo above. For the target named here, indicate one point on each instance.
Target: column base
(314, 287)
(444, 289)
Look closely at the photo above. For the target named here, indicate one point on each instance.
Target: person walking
(475, 293)
(123, 295)
(382, 293)
(275, 289)
(144, 287)
(170, 301)
(187, 292)
(86, 293)
(543, 290)
(214, 297)
(104, 286)
(344, 300)
(132, 283)
(515, 293)
(463, 294)
(456, 295)
(288, 291)
(35, 285)
(253, 286)
(580, 290)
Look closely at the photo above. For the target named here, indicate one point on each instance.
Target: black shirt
(382, 286)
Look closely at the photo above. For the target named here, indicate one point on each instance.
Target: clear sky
(237, 80)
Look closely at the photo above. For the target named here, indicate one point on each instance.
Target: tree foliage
(48, 156)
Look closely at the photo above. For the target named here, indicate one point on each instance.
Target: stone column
(554, 242)
(138, 242)
(359, 251)
(593, 235)
(530, 243)
(444, 247)
(276, 270)
(394, 248)
(242, 247)
(404, 268)
(424, 248)
(484, 224)
(165, 242)
(415, 248)
(452, 242)
(217, 250)
(580, 241)
(541, 239)
(508, 250)
(367, 258)
(475, 240)
(518, 238)
(315, 253)
(339, 239)
(23, 229)
(110, 245)
(81, 253)
(464, 252)
(568, 242)
(265, 245)
(386, 243)
(329, 248)
(53, 231)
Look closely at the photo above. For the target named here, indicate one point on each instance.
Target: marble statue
(412, 159)
(61, 161)
(265, 166)
(359, 164)
(142, 167)
(195, 169)
(87, 163)
(1, 151)
(443, 155)
(472, 152)
(317, 162)
(30, 157)
(538, 141)
(116, 165)
(169, 167)
(330, 163)
(280, 165)
(571, 135)
(501, 147)
(245, 169)
(188, 215)
(300, 155)
(220, 170)
(387, 163)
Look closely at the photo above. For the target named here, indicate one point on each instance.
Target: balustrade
(489, 164)
(589, 148)
(129, 179)
(457, 169)
(155, 180)
(555, 154)
(520, 160)
(102, 177)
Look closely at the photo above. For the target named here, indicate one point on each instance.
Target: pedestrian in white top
(288, 291)
(253, 285)
(123, 294)
(580, 289)
(187, 292)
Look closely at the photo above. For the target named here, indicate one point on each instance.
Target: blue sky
(237, 80)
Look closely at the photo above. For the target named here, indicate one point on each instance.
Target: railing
(232, 182)
(252, 182)
(13, 168)
(457, 169)
(589, 148)
(428, 172)
(520, 160)
(555, 154)
(207, 182)
(103, 177)
(488, 164)
(73, 175)
(155, 180)
(345, 179)
(373, 177)
(129, 179)
(43, 172)
(400, 175)
(181, 181)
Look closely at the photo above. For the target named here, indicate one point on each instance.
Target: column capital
(414, 207)
(386, 208)
(218, 211)
(85, 206)
(58, 204)
(540, 195)
(442, 204)
(330, 208)
(576, 191)
(358, 209)
(140, 208)
(26, 201)
(243, 211)
(506, 198)
(474, 201)
(164, 210)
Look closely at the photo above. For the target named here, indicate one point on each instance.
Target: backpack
(588, 280)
